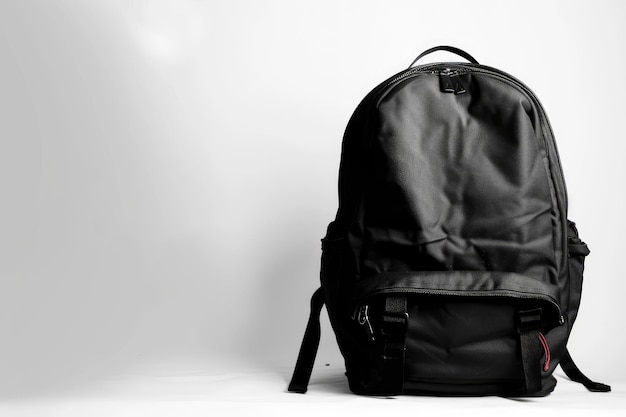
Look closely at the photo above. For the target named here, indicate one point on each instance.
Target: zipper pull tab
(456, 82)
(445, 82)
(450, 82)
(364, 320)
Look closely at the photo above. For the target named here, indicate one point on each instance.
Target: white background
(167, 169)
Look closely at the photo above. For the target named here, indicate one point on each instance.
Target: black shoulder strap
(572, 371)
(308, 349)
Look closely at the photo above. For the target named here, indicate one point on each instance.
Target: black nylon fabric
(451, 196)
(431, 181)
(458, 183)
(448, 346)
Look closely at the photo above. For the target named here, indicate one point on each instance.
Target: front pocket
(455, 343)
(459, 284)
(462, 328)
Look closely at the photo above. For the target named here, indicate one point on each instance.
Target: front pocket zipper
(464, 284)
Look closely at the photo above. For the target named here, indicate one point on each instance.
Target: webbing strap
(393, 330)
(308, 349)
(531, 358)
(572, 371)
(529, 323)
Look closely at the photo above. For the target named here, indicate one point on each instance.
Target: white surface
(168, 167)
(196, 393)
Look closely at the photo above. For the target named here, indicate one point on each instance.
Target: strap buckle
(393, 328)
(394, 324)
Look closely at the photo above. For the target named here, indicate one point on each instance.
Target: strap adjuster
(394, 324)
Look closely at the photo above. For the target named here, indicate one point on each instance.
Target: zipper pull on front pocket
(364, 320)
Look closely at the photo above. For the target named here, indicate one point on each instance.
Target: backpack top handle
(452, 49)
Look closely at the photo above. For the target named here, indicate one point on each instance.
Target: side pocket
(330, 269)
(577, 251)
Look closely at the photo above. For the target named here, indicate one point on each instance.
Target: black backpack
(451, 267)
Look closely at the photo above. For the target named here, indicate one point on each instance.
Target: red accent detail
(546, 349)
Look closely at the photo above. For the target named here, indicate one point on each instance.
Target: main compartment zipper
(455, 69)
(450, 82)
(492, 293)
(461, 68)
